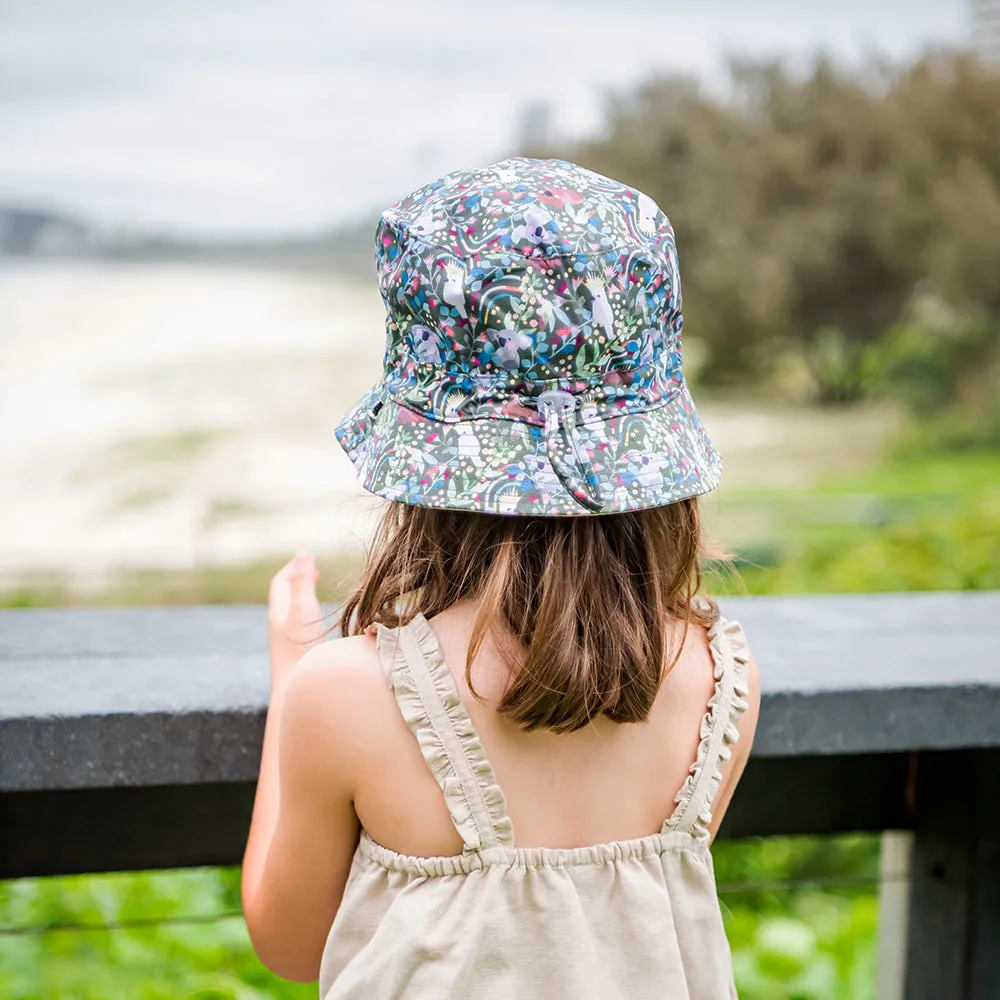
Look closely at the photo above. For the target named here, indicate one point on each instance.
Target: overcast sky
(245, 116)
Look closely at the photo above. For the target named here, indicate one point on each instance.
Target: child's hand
(294, 617)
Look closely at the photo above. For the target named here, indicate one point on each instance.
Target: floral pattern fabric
(533, 349)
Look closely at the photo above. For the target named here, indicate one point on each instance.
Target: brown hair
(580, 607)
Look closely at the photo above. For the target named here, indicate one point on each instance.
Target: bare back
(603, 783)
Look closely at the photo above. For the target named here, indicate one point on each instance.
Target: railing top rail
(126, 697)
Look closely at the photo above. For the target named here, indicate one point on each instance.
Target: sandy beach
(175, 415)
(170, 415)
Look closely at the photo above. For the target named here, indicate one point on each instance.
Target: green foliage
(210, 960)
(788, 941)
(842, 371)
(957, 550)
(927, 524)
(947, 373)
(809, 202)
(823, 948)
(798, 940)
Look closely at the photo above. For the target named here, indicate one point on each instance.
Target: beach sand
(180, 415)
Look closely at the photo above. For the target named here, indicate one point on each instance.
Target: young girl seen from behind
(503, 782)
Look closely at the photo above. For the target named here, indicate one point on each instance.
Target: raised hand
(294, 617)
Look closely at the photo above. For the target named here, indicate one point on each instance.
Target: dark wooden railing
(130, 739)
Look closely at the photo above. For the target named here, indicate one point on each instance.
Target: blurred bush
(789, 937)
(809, 207)
(166, 955)
(952, 550)
(946, 372)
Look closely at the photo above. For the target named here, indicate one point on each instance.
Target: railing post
(893, 913)
(953, 948)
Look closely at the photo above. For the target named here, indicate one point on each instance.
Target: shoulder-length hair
(582, 609)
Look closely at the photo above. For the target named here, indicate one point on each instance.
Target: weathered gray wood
(110, 698)
(72, 633)
(985, 973)
(954, 919)
(112, 719)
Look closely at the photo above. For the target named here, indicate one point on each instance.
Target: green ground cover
(168, 935)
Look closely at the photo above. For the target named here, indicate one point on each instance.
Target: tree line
(844, 221)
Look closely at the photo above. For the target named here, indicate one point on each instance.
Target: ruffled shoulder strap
(429, 702)
(728, 645)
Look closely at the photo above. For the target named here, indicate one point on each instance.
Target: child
(503, 782)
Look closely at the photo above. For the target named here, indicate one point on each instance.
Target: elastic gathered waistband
(533, 857)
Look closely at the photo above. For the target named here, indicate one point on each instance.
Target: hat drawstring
(555, 405)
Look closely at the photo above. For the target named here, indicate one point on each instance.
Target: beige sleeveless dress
(633, 919)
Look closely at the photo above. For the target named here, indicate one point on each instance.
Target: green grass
(240, 584)
(916, 524)
(974, 474)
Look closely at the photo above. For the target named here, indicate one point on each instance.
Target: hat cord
(555, 405)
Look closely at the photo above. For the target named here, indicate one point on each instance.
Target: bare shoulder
(356, 656)
(337, 698)
(340, 672)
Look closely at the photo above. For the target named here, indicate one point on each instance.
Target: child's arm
(304, 829)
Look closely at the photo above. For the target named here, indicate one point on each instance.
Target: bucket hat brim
(499, 465)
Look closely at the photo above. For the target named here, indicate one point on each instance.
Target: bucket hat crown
(533, 349)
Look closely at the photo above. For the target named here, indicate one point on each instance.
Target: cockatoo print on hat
(533, 350)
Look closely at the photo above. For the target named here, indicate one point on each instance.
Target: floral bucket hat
(533, 350)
